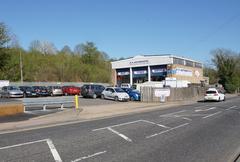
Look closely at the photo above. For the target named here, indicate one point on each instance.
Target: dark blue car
(133, 94)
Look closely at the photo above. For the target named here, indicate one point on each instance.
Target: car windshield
(211, 92)
(29, 88)
(13, 88)
(56, 87)
(119, 90)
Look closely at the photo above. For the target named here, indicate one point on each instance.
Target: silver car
(55, 90)
(11, 91)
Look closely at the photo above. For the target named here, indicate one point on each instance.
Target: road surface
(202, 132)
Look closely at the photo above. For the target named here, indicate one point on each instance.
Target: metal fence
(78, 84)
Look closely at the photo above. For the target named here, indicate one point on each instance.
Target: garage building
(143, 68)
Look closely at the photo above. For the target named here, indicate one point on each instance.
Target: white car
(212, 94)
(115, 93)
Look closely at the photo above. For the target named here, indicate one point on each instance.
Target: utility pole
(21, 67)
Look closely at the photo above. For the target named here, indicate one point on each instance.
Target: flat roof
(158, 55)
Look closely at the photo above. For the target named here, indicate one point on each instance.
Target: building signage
(139, 72)
(197, 73)
(158, 70)
(123, 73)
(180, 71)
(141, 62)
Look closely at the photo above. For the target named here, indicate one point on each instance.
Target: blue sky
(124, 28)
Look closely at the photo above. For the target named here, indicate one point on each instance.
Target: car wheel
(94, 96)
(102, 96)
(132, 99)
(116, 98)
(219, 99)
(224, 98)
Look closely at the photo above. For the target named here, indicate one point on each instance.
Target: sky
(126, 28)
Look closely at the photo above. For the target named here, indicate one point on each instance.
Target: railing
(45, 104)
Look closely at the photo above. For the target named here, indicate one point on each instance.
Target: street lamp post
(21, 67)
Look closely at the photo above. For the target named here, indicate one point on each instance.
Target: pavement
(190, 132)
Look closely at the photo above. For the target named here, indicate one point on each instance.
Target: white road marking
(51, 146)
(54, 151)
(191, 115)
(212, 114)
(182, 125)
(187, 119)
(197, 107)
(160, 125)
(211, 108)
(178, 116)
(119, 134)
(22, 144)
(231, 107)
(112, 126)
(89, 156)
(170, 114)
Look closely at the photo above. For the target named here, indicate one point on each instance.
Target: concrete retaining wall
(11, 109)
(176, 94)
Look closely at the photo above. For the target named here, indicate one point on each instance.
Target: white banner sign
(162, 92)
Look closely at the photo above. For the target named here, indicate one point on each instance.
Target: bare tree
(44, 47)
(79, 49)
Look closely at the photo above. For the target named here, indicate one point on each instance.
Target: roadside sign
(162, 92)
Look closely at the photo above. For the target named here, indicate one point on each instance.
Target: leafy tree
(226, 62)
(4, 39)
(4, 35)
(211, 73)
(66, 49)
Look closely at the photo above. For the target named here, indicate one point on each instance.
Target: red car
(71, 90)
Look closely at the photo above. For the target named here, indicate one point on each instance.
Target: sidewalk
(85, 113)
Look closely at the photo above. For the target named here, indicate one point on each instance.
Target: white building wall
(142, 61)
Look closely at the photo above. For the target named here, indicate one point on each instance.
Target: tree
(226, 62)
(211, 73)
(4, 35)
(66, 49)
(4, 40)
(78, 49)
(43, 47)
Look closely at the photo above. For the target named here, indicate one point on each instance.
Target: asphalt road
(202, 132)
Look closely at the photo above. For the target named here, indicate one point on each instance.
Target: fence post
(44, 107)
(61, 106)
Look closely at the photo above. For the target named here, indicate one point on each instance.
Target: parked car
(126, 85)
(71, 90)
(212, 94)
(41, 90)
(92, 90)
(28, 91)
(11, 91)
(133, 94)
(55, 90)
(115, 93)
